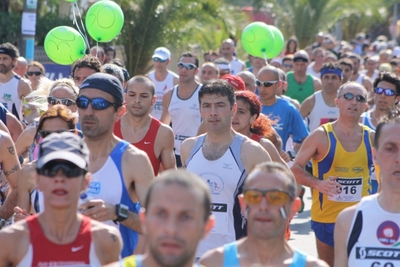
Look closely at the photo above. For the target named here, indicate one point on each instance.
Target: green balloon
(64, 45)
(104, 21)
(257, 39)
(279, 42)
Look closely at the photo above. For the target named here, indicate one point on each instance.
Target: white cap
(162, 53)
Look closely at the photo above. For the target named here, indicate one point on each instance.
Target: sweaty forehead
(261, 179)
(355, 89)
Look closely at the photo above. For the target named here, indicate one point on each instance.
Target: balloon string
(75, 22)
(265, 58)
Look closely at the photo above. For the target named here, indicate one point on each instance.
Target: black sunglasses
(265, 84)
(45, 133)
(350, 96)
(37, 73)
(157, 59)
(98, 103)
(70, 170)
(387, 92)
(65, 101)
(188, 66)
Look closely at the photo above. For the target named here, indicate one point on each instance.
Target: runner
(222, 158)
(368, 234)
(59, 235)
(341, 158)
(265, 244)
(175, 218)
(181, 105)
(115, 189)
(145, 132)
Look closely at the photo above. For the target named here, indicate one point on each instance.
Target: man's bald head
(21, 66)
(269, 68)
(249, 80)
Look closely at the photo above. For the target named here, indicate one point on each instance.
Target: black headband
(300, 59)
(8, 51)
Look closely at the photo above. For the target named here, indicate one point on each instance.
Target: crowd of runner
(206, 166)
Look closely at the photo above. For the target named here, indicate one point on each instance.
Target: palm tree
(305, 18)
(182, 24)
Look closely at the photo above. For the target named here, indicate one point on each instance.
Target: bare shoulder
(134, 153)
(252, 153)
(14, 236)
(165, 131)
(214, 257)
(105, 234)
(346, 216)
(24, 88)
(168, 95)
(107, 241)
(189, 143)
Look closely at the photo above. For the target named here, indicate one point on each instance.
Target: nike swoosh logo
(75, 249)
(146, 143)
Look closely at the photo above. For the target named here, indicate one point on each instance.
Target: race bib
(351, 190)
(220, 212)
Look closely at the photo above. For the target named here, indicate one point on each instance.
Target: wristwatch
(122, 212)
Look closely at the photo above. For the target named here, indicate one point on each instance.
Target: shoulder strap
(196, 148)
(299, 259)
(355, 232)
(231, 255)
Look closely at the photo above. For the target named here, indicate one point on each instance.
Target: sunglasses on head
(45, 133)
(188, 66)
(65, 101)
(36, 73)
(70, 170)
(387, 92)
(157, 59)
(273, 197)
(350, 96)
(98, 103)
(265, 84)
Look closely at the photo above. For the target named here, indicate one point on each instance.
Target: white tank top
(9, 96)
(108, 184)
(360, 79)
(236, 65)
(225, 176)
(161, 88)
(374, 236)
(321, 113)
(312, 72)
(185, 116)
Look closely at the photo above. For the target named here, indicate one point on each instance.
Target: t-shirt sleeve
(299, 130)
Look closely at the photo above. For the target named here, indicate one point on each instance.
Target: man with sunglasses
(121, 173)
(288, 119)
(368, 234)
(181, 104)
(341, 157)
(268, 202)
(386, 95)
(222, 158)
(163, 78)
(300, 84)
(13, 88)
(60, 235)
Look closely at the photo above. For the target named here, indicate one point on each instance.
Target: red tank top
(46, 253)
(255, 137)
(147, 143)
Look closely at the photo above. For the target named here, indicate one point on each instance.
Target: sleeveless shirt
(147, 143)
(321, 113)
(353, 169)
(225, 177)
(9, 96)
(299, 91)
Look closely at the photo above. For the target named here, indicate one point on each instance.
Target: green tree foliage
(12, 32)
(182, 24)
(305, 18)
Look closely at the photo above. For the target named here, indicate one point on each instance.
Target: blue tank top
(231, 258)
